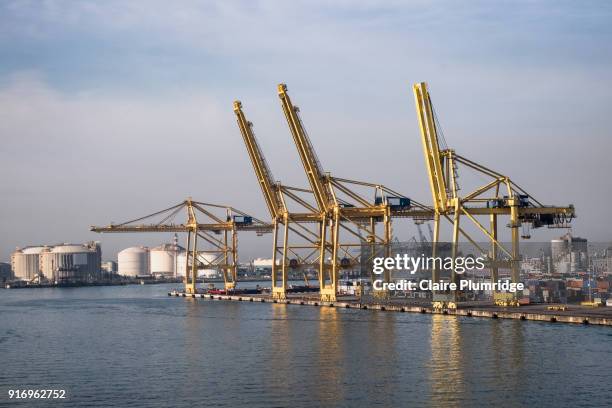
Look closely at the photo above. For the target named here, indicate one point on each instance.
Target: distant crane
(421, 235)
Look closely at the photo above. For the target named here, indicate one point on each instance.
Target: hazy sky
(111, 110)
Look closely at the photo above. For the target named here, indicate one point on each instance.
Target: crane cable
(439, 127)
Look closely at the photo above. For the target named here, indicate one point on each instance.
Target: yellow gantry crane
(343, 209)
(299, 244)
(316, 234)
(498, 197)
(204, 223)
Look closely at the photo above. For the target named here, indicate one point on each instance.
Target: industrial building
(569, 254)
(5, 272)
(58, 263)
(72, 262)
(263, 264)
(109, 267)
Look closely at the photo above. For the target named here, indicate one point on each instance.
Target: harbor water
(133, 346)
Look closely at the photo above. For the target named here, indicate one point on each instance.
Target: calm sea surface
(133, 346)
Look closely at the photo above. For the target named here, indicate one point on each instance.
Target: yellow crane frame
(342, 209)
(203, 223)
(299, 243)
(498, 197)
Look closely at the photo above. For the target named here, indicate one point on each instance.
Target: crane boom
(269, 186)
(431, 146)
(226, 226)
(312, 166)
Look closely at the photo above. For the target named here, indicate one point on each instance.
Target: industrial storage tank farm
(58, 263)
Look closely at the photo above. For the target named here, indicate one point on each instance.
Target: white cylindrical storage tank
(134, 262)
(558, 248)
(164, 260)
(181, 263)
(26, 262)
(204, 269)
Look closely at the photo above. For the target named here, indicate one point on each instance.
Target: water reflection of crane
(507, 351)
(281, 350)
(330, 356)
(446, 365)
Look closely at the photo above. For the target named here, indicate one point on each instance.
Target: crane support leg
(511, 299)
(190, 282)
(232, 270)
(455, 245)
(188, 287)
(434, 246)
(329, 290)
(281, 292)
(515, 224)
(388, 233)
(227, 281)
(373, 249)
(384, 294)
(494, 268)
(322, 253)
(278, 292)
